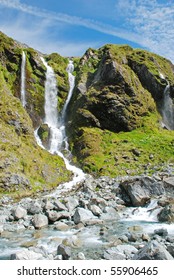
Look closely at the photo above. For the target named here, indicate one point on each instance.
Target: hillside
(115, 117)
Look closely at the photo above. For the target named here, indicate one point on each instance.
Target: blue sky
(69, 27)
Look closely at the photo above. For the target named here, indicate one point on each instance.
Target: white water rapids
(56, 123)
(23, 79)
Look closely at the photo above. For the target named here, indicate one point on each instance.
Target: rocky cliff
(24, 167)
(120, 89)
(113, 121)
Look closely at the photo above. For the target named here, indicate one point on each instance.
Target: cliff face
(118, 89)
(113, 119)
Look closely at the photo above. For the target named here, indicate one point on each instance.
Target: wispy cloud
(73, 20)
(147, 23)
(152, 20)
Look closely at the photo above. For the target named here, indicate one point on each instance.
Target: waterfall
(23, 78)
(56, 124)
(167, 109)
(71, 78)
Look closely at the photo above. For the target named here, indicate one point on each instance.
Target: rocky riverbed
(104, 218)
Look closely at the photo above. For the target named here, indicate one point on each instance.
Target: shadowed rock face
(116, 87)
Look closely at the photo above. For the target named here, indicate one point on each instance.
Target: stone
(81, 256)
(40, 221)
(140, 189)
(19, 212)
(71, 203)
(34, 208)
(109, 214)
(52, 216)
(26, 255)
(167, 214)
(153, 250)
(161, 232)
(95, 210)
(59, 206)
(82, 215)
(113, 254)
(65, 251)
(61, 226)
(169, 185)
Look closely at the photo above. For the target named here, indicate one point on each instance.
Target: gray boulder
(71, 203)
(82, 215)
(113, 254)
(19, 212)
(109, 214)
(167, 214)
(153, 251)
(65, 251)
(137, 191)
(40, 221)
(26, 254)
(34, 208)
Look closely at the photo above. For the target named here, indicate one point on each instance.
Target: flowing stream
(23, 79)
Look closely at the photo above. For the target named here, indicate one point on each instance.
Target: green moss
(107, 153)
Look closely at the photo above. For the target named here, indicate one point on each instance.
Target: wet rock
(161, 232)
(169, 185)
(19, 213)
(82, 215)
(61, 226)
(167, 214)
(170, 249)
(81, 256)
(137, 191)
(95, 210)
(52, 216)
(34, 208)
(113, 254)
(40, 221)
(145, 237)
(109, 214)
(59, 206)
(65, 251)
(26, 255)
(71, 203)
(153, 251)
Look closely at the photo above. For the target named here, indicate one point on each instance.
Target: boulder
(95, 210)
(113, 254)
(59, 206)
(34, 208)
(52, 215)
(71, 203)
(169, 185)
(153, 251)
(82, 215)
(109, 214)
(40, 221)
(137, 191)
(167, 214)
(26, 255)
(61, 226)
(19, 212)
(65, 251)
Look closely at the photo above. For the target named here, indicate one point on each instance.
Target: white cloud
(146, 23)
(154, 21)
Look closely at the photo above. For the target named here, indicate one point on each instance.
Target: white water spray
(23, 79)
(56, 124)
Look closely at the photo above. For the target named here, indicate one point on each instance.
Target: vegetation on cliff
(115, 113)
(25, 168)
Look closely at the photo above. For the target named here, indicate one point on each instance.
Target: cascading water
(167, 109)
(56, 124)
(23, 78)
